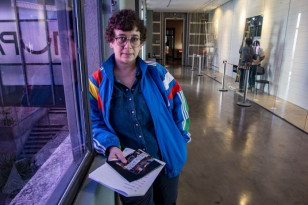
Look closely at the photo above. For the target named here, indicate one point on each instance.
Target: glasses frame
(128, 39)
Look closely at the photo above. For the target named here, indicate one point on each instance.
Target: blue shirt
(131, 118)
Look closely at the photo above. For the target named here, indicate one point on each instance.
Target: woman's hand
(115, 154)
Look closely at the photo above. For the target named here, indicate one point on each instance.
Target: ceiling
(183, 5)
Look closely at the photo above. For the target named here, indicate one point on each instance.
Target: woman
(253, 69)
(139, 105)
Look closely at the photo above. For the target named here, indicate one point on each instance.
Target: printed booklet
(131, 179)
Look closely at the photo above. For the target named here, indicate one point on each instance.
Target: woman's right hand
(116, 154)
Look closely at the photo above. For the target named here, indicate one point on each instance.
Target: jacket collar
(109, 64)
(108, 67)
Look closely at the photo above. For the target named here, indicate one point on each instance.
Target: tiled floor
(239, 155)
(284, 109)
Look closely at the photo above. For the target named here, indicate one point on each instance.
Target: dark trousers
(164, 191)
(252, 76)
(242, 79)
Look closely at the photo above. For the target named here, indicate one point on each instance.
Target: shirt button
(130, 99)
(140, 136)
(133, 112)
(133, 89)
(143, 149)
(126, 89)
(137, 125)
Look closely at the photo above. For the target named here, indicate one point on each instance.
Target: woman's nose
(128, 44)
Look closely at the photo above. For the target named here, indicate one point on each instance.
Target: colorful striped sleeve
(178, 104)
(102, 136)
(94, 82)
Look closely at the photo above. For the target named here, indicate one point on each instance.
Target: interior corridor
(238, 155)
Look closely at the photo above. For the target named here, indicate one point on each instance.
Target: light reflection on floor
(284, 109)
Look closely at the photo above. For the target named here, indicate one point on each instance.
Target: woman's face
(126, 46)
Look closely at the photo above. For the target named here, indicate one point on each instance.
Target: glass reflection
(198, 86)
(192, 78)
(40, 114)
(220, 103)
(292, 57)
(245, 198)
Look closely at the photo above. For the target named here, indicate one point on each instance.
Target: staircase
(44, 132)
(56, 110)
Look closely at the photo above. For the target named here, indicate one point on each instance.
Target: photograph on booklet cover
(139, 164)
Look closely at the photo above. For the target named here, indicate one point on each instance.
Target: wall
(93, 38)
(149, 26)
(283, 39)
(127, 4)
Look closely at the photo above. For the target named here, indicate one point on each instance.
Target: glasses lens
(121, 40)
(135, 41)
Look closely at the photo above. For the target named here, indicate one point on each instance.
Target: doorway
(174, 42)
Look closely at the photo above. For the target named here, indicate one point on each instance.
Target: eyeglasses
(122, 41)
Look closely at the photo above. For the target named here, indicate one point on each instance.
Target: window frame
(67, 194)
(77, 104)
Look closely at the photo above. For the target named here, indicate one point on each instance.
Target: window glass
(38, 75)
(55, 50)
(12, 88)
(9, 44)
(57, 74)
(34, 41)
(12, 75)
(51, 9)
(6, 11)
(30, 9)
(41, 115)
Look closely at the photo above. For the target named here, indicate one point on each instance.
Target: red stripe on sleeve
(174, 90)
(97, 75)
(99, 102)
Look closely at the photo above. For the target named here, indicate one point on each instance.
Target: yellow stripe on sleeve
(93, 89)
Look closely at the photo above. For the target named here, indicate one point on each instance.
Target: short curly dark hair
(248, 41)
(125, 20)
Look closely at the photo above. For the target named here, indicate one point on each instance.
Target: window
(254, 27)
(42, 106)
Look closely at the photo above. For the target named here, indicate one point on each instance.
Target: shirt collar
(138, 74)
(109, 63)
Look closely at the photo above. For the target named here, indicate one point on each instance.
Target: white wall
(284, 41)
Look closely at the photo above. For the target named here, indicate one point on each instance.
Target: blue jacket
(167, 105)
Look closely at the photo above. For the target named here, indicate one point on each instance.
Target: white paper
(108, 177)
